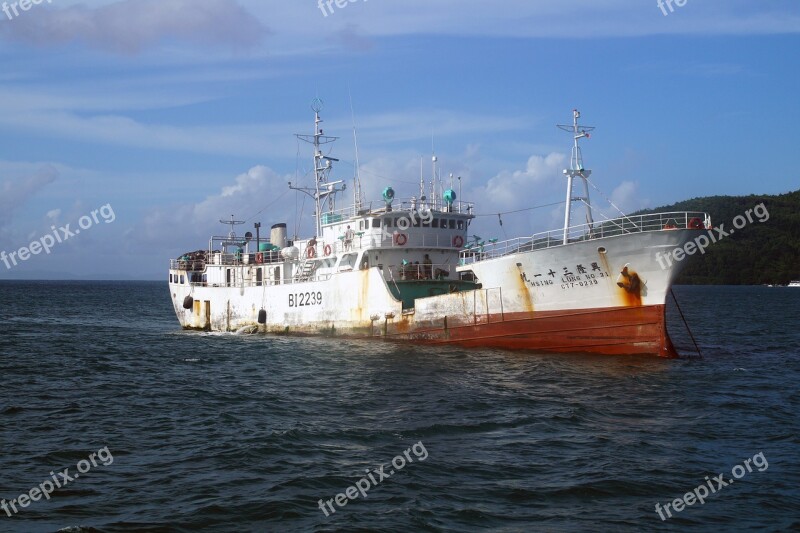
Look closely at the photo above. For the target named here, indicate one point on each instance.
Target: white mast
(434, 160)
(358, 197)
(421, 179)
(323, 189)
(576, 170)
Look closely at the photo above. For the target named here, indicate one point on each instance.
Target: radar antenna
(232, 223)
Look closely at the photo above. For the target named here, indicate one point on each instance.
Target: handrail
(582, 232)
(337, 248)
(392, 273)
(399, 205)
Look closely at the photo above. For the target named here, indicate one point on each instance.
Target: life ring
(458, 241)
(400, 239)
(695, 223)
(311, 252)
(259, 258)
(328, 249)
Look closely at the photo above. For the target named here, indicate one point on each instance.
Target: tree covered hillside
(758, 253)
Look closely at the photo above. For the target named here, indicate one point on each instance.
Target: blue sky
(180, 112)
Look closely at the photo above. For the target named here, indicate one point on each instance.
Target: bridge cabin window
(435, 223)
(460, 224)
(376, 223)
(452, 223)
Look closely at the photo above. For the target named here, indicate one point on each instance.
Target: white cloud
(242, 140)
(76, 116)
(130, 26)
(627, 198)
(510, 190)
(540, 182)
(533, 18)
(258, 195)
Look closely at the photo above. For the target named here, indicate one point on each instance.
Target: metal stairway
(306, 271)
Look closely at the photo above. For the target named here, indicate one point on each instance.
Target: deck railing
(323, 249)
(392, 273)
(399, 205)
(583, 232)
(396, 239)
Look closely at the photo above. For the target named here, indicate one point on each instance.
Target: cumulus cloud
(626, 197)
(512, 189)
(539, 182)
(260, 194)
(130, 26)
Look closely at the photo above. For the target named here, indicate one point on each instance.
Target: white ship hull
(562, 298)
(410, 272)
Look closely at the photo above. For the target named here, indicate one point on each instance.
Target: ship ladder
(307, 270)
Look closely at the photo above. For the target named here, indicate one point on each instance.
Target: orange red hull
(612, 331)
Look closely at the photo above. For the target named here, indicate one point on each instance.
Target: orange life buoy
(311, 252)
(695, 223)
(327, 249)
(259, 258)
(458, 241)
(400, 239)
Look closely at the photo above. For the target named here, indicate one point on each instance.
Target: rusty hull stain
(630, 286)
(525, 291)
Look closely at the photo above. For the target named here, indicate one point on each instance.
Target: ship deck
(475, 252)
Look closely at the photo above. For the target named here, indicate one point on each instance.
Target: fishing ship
(408, 270)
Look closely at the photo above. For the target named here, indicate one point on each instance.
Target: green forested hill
(758, 253)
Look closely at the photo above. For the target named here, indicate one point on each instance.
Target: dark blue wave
(248, 433)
